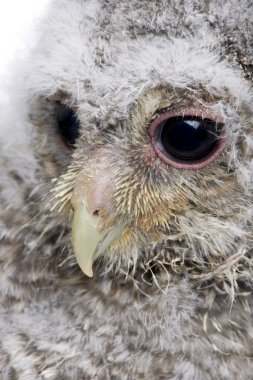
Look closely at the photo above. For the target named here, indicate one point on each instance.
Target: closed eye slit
(187, 141)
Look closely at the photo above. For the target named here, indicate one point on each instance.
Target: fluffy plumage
(173, 298)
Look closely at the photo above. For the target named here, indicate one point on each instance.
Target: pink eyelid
(183, 165)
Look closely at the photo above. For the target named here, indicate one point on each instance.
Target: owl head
(139, 116)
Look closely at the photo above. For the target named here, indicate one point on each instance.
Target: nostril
(96, 212)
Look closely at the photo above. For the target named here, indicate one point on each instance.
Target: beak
(93, 193)
(87, 241)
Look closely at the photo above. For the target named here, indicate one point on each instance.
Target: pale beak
(85, 238)
(93, 192)
(88, 243)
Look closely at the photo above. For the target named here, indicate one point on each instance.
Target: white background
(17, 19)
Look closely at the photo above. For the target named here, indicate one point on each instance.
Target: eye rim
(154, 132)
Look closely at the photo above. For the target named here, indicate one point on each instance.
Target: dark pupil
(68, 124)
(189, 138)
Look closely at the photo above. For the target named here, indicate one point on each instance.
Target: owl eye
(187, 141)
(68, 124)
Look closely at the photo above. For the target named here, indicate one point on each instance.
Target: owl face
(146, 131)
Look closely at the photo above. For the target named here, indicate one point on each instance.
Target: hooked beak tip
(87, 241)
